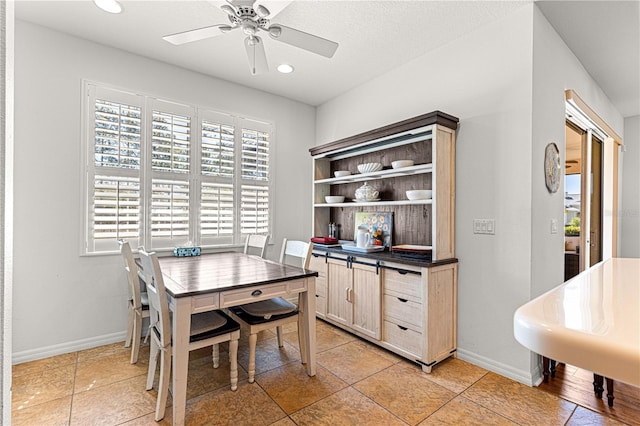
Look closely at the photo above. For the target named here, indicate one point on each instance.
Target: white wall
(555, 70)
(484, 78)
(65, 302)
(7, 12)
(506, 83)
(629, 220)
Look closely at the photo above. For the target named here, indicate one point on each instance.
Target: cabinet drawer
(255, 294)
(403, 338)
(407, 286)
(319, 265)
(206, 302)
(405, 310)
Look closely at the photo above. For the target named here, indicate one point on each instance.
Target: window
(161, 174)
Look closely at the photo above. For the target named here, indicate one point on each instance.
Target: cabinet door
(338, 291)
(365, 299)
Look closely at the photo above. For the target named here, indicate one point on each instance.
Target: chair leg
(130, 320)
(163, 385)
(279, 333)
(215, 355)
(253, 339)
(233, 361)
(136, 336)
(154, 351)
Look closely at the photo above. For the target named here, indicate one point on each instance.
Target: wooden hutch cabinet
(406, 305)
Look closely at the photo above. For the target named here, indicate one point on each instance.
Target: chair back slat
(299, 249)
(257, 242)
(133, 276)
(158, 303)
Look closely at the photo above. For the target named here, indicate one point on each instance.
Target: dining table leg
(181, 332)
(309, 311)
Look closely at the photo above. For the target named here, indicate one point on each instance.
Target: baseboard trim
(521, 376)
(65, 348)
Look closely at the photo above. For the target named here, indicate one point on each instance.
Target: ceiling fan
(251, 19)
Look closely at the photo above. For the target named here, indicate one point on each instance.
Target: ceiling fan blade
(274, 6)
(256, 55)
(306, 41)
(194, 35)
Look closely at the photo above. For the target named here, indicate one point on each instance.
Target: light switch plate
(484, 226)
(554, 226)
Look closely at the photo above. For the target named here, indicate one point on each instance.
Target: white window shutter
(170, 142)
(216, 213)
(254, 209)
(116, 211)
(151, 182)
(255, 155)
(117, 135)
(169, 213)
(217, 149)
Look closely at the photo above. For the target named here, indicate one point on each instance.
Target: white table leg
(181, 327)
(309, 313)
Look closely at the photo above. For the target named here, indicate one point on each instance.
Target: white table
(220, 280)
(592, 321)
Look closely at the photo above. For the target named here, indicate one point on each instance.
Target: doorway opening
(583, 203)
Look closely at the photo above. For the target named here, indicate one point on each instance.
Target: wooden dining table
(221, 280)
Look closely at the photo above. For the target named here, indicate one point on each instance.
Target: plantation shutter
(115, 130)
(217, 174)
(161, 174)
(255, 189)
(171, 129)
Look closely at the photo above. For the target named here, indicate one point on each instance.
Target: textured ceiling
(374, 37)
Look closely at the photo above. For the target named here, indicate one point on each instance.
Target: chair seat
(269, 308)
(254, 320)
(210, 324)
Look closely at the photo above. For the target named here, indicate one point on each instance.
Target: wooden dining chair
(256, 244)
(207, 329)
(276, 312)
(138, 303)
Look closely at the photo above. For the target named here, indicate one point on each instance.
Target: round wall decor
(552, 167)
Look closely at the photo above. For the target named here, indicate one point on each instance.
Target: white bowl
(419, 194)
(330, 199)
(341, 173)
(401, 163)
(369, 167)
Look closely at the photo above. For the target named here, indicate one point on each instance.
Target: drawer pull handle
(403, 300)
(402, 272)
(256, 293)
(402, 328)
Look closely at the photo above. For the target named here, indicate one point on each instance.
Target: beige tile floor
(356, 383)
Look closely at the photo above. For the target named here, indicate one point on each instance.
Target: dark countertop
(384, 256)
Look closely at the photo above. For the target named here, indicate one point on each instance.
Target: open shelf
(380, 174)
(375, 203)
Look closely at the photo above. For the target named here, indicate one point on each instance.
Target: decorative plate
(552, 167)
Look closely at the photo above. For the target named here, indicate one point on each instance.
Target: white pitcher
(362, 238)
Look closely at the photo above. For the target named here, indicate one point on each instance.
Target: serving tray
(368, 249)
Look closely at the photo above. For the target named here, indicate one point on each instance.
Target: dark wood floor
(576, 385)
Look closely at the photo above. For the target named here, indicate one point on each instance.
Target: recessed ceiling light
(285, 68)
(111, 6)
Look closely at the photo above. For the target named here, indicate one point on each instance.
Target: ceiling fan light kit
(253, 19)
